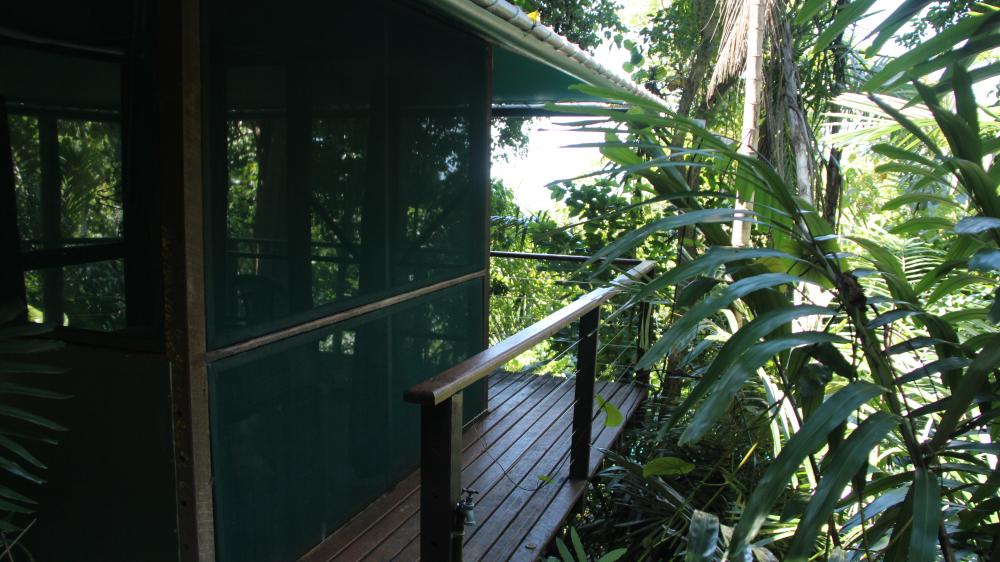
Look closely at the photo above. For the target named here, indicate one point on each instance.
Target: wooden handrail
(436, 390)
(558, 257)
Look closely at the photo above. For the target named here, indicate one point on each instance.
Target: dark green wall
(306, 432)
(110, 490)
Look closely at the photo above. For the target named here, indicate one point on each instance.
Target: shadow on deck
(516, 456)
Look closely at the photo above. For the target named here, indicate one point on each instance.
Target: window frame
(142, 288)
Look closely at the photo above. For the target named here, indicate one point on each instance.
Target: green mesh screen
(350, 154)
(307, 432)
(348, 162)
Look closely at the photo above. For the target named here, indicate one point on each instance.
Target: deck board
(527, 431)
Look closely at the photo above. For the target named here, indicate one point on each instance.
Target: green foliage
(21, 429)
(585, 23)
(899, 362)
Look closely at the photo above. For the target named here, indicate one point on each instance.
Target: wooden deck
(506, 456)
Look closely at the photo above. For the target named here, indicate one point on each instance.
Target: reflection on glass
(65, 132)
(88, 296)
(67, 181)
(308, 431)
(349, 165)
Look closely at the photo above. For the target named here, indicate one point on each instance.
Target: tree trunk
(834, 177)
(753, 85)
(798, 127)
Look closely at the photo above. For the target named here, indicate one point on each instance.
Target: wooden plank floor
(525, 435)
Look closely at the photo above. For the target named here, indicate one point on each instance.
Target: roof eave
(509, 26)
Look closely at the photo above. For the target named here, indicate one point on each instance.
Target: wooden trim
(11, 277)
(303, 328)
(72, 255)
(536, 111)
(438, 389)
(109, 115)
(50, 201)
(174, 85)
(560, 257)
(16, 37)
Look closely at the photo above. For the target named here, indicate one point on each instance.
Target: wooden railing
(440, 399)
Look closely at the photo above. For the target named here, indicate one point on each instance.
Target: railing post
(644, 335)
(440, 478)
(586, 370)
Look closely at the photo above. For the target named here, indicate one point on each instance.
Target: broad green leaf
(921, 224)
(978, 184)
(942, 42)
(952, 285)
(10, 494)
(965, 99)
(907, 124)
(838, 555)
(574, 537)
(705, 264)
(20, 451)
(676, 336)
(897, 153)
(32, 368)
(10, 507)
(889, 317)
(975, 225)
(843, 464)
(631, 239)
(702, 537)
(926, 517)
(913, 344)
(964, 143)
(985, 260)
(890, 267)
(972, 382)
(564, 551)
(849, 14)
(612, 415)
(836, 410)
(613, 555)
(729, 384)
(736, 346)
(897, 19)
(23, 390)
(965, 315)
(17, 470)
(19, 414)
(666, 466)
(938, 366)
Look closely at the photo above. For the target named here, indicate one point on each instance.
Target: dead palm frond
(734, 19)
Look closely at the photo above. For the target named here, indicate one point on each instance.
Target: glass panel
(347, 169)
(89, 296)
(66, 141)
(308, 431)
(84, 170)
(438, 212)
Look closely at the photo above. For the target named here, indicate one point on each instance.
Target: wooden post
(440, 477)
(586, 371)
(51, 204)
(644, 336)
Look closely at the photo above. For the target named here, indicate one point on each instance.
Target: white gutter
(509, 26)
